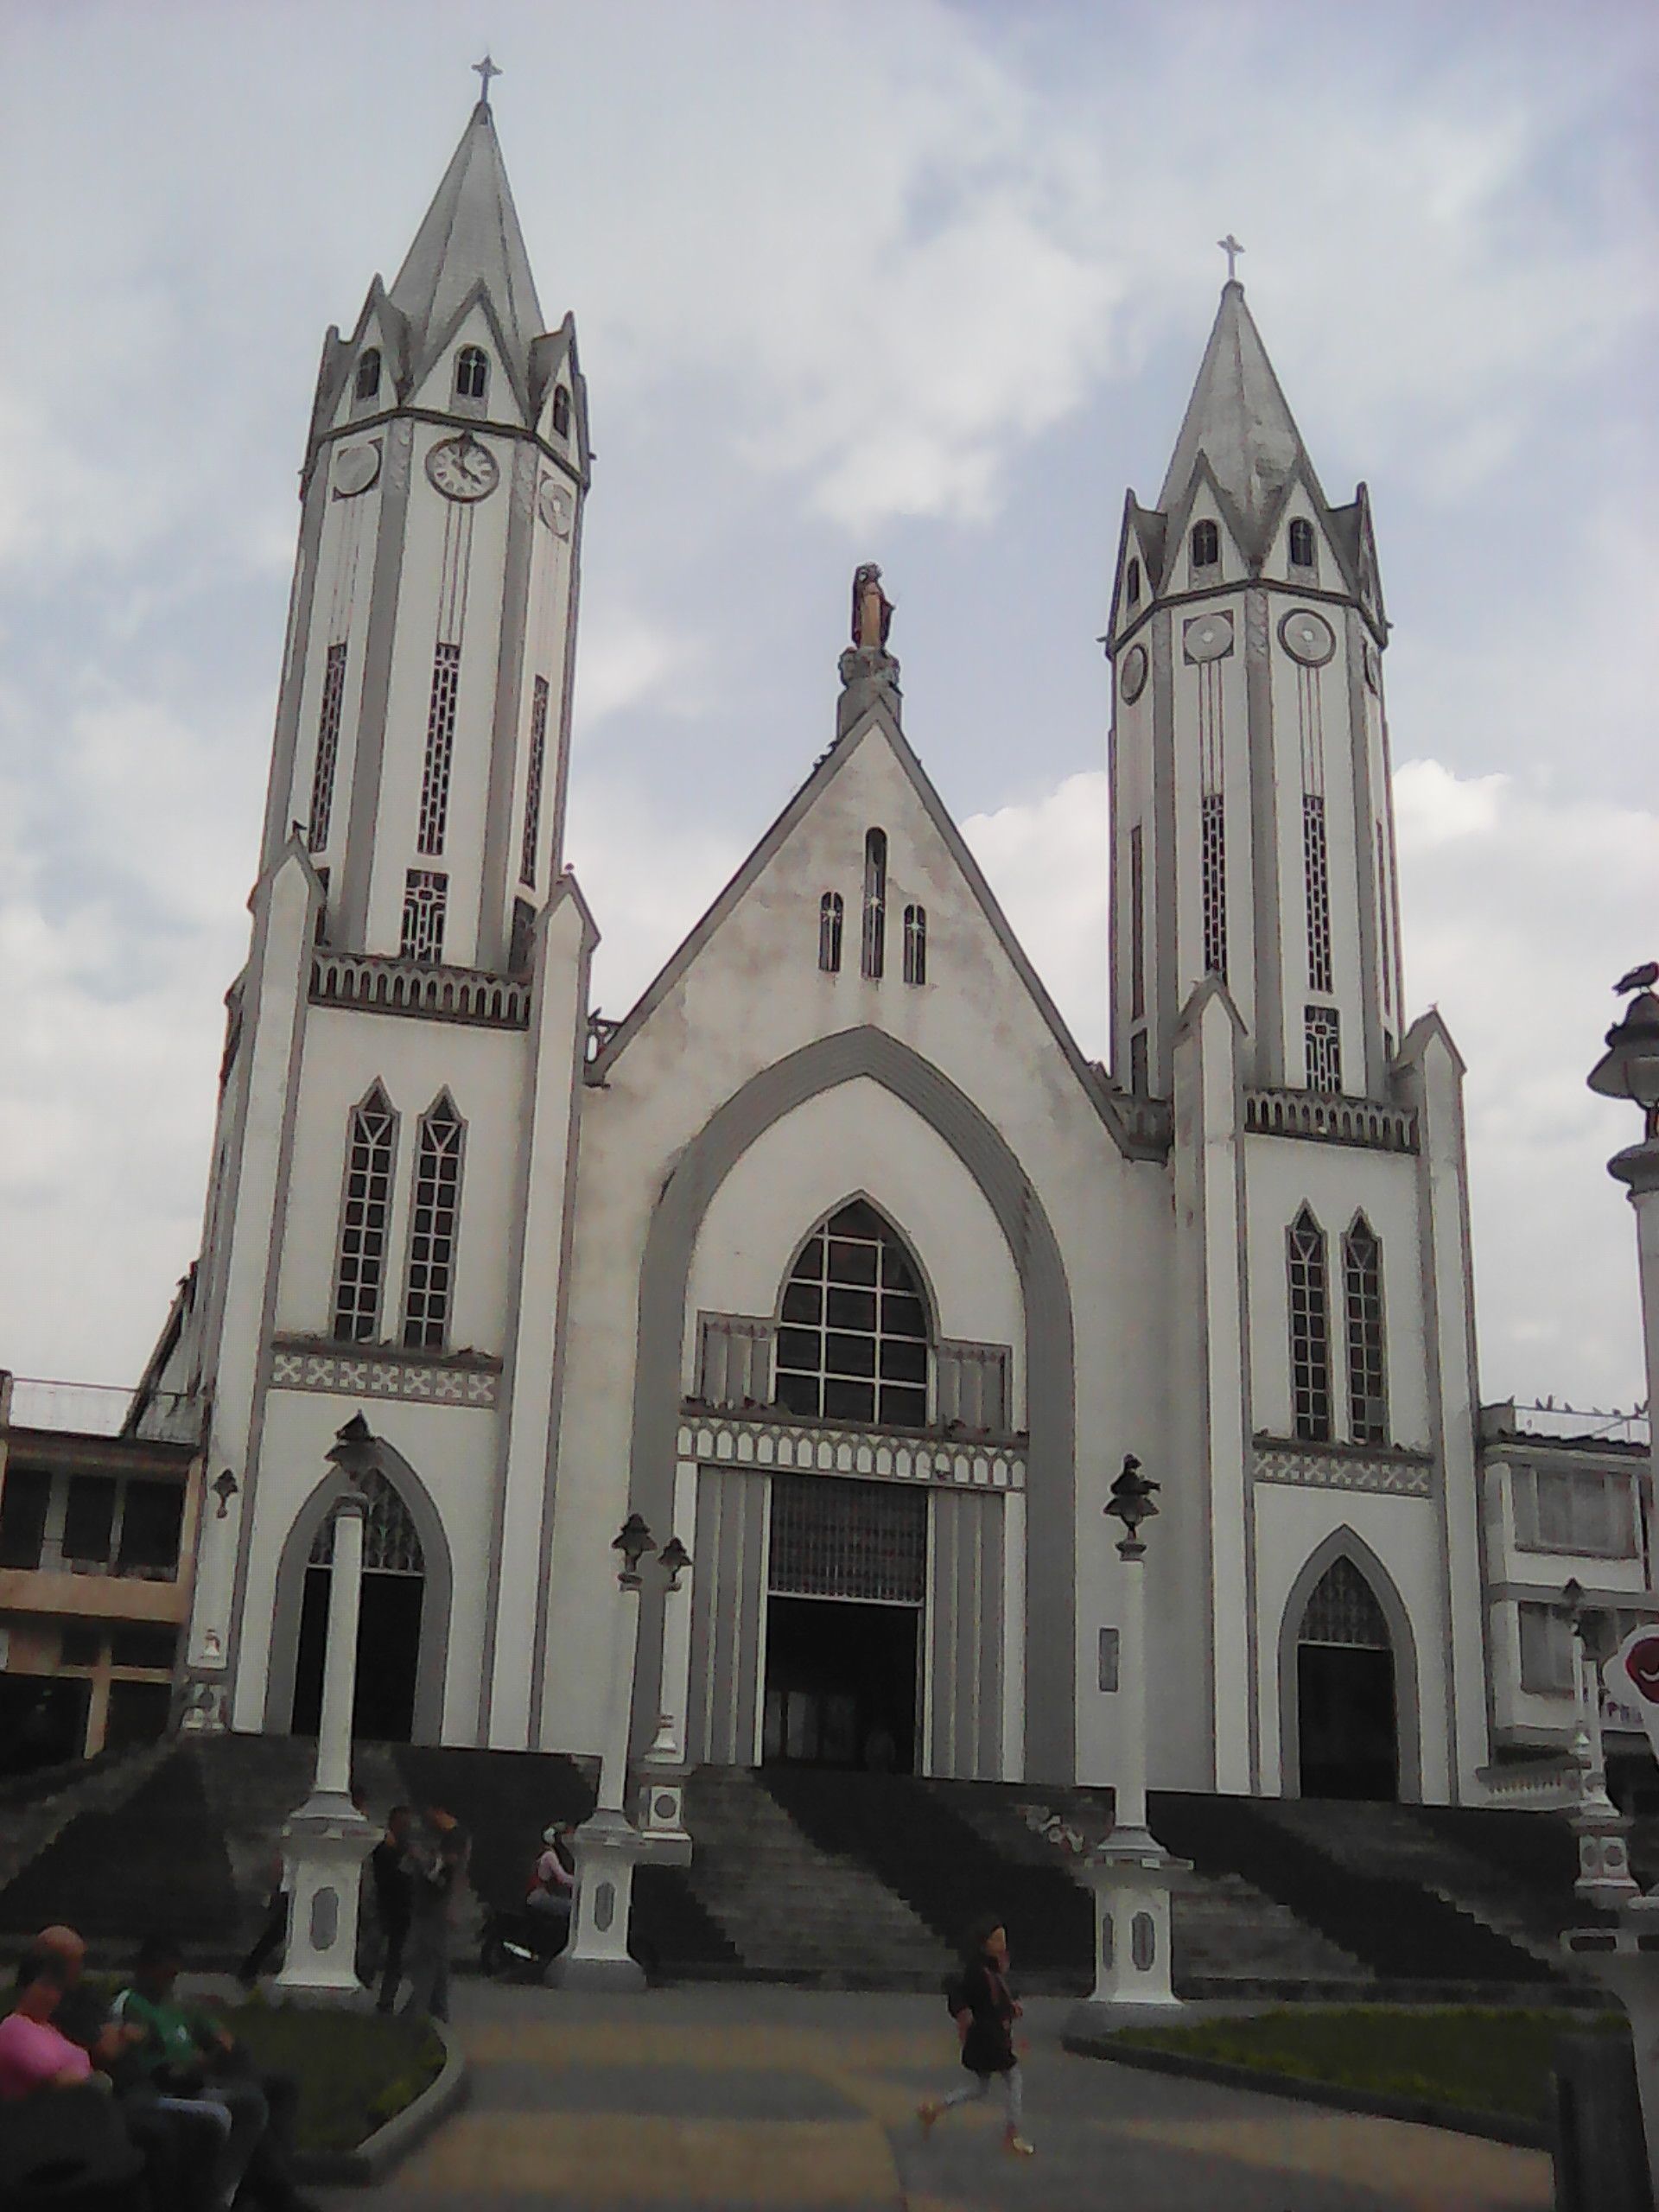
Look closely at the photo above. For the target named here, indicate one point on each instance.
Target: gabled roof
(1237, 420)
(470, 236)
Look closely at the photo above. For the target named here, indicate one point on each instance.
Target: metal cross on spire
(486, 69)
(1231, 247)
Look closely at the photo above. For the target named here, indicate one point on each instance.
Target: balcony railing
(419, 989)
(1335, 1120)
(970, 1380)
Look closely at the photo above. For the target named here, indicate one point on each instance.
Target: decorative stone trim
(1400, 1474)
(1331, 1120)
(423, 989)
(376, 1375)
(718, 1441)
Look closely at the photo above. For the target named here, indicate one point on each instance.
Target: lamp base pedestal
(607, 1846)
(324, 1844)
(1132, 1875)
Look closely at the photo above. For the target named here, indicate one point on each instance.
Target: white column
(613, 1770)
(333, 1775)
(1129, 1776)
(608, 1845)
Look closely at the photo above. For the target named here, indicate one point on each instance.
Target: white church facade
(836, 1257)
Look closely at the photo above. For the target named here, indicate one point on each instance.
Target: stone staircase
(792, 1910)
(35, 1811)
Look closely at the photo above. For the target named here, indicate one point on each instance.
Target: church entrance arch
(1348, 1735)
(388, 1624)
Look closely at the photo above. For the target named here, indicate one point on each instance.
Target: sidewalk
(731, 2095)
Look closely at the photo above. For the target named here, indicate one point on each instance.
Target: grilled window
(518, 947)
(1132, 585)
(322, 774)
(1137, 926)
(533, 776)
(834, 1538)
(1205, 545)
(472, 373)
(368, 373)
(1302, 544)
(426, 896)
(1343, 1609)
(392, 1543)
(1322, 1040)
(853, 1334)
(360, 1267)
(440, 748)
(561, 411)
(429, 1287)
(1212, 815)
(1319, 892)
(1310, 1330)
(875, 904)
(1139, 1076)
(1362, 1275)
(829, 920)
(915, 945)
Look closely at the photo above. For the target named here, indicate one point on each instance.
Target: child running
(985, 2010)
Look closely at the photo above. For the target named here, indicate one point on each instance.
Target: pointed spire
(1238, 418)
(470, 236)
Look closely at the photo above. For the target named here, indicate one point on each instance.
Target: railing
(102, 1409)
(420, 988)
(1567, 1424)
(734, 1372)
(1335, 1120)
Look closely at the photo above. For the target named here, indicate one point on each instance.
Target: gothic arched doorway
(1345, 1704)
(389, 1626)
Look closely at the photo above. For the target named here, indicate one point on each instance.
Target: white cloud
(1047, 861)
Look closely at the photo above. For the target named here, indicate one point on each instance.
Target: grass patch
(1472, 2058)
(355, 2070)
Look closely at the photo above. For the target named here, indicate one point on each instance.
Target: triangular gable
(478, 295)
(1203, 478)
(1141, 537)
(876, 723)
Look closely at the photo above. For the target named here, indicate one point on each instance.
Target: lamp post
(1131, 1874)
(326, 1842)
(608, 1845)
(1604, 1877)
(662, 1788)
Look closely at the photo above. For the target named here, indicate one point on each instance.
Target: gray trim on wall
(434, 1608)
(964, 1631)
(1268, 1038)
(1162, 870)
(1366, 888)
(1346, 1543)
(1051, 1663)
(499, 875)
(369, 739)
(729, 1597)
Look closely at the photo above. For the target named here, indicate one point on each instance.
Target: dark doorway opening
(42, 1721)
(841, 1684)
(388, 1654)
(1345, 1703)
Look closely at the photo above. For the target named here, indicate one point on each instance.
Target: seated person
(61, 2141)
(554, 1888)
(35, 2054)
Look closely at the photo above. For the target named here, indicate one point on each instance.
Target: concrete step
(790, 1907)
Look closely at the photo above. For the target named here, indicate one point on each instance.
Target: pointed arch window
(359, 1269)
(1343, 1611)
(561, 411)
(875, 904)
(472, 373)
(1302, 544)
(1310, 1330)
(1205, 544)
(915, 945)
(392, 1543)
(1362, 1279)
(368, 373)
(433, 1224)
(830, 911)
(1132, 585)
(854, 1334)
(322, 772)
(440, 748)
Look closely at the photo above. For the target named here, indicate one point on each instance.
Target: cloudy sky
(926, 284)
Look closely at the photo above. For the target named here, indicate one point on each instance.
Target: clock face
(557, 511)
(1307, 638)
(1132, 680)
(463, 468)
(356, 468)
(1208, 637)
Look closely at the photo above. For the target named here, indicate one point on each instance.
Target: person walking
(985, 2009)
(394, 1888)
(437, 1865)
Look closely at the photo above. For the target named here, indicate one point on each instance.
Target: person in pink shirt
(33, 2054)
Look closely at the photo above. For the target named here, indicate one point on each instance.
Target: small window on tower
(368, 374)
(561, 410)
(1302, 544)
(1132, 585)
(915, 945)
(472, 373)
(1206, 545)
(829, 920)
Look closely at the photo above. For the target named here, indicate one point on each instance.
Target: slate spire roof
(470, 236)
(1237, 420)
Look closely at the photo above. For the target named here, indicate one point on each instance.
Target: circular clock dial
(356, 468)
(557, 511)
(1307, 638)
(462, 468)
(1208, 637)
(1132, 679)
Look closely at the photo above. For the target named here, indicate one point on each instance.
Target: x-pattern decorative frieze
(1399, 1475)
(418, 1380)
(827, 1452)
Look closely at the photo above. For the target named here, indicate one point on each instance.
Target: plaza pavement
(745, 2095)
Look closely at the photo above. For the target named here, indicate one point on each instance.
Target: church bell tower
(1252, 823)
(422, 725)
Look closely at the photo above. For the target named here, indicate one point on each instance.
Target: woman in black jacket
(985, 2010)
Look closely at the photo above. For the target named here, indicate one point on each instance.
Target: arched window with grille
(1205, 544)
(915, 945)
(359, 1269)
(831, 908)
(561, 411)
(1310, 1330)
(1302, 544)
(875, 903)
(435, 1221)
(472, 373)
(1362, 1279)
(368, 373)
(854, 1333)
(1132, 585)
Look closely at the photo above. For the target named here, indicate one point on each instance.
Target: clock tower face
(462, 467)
